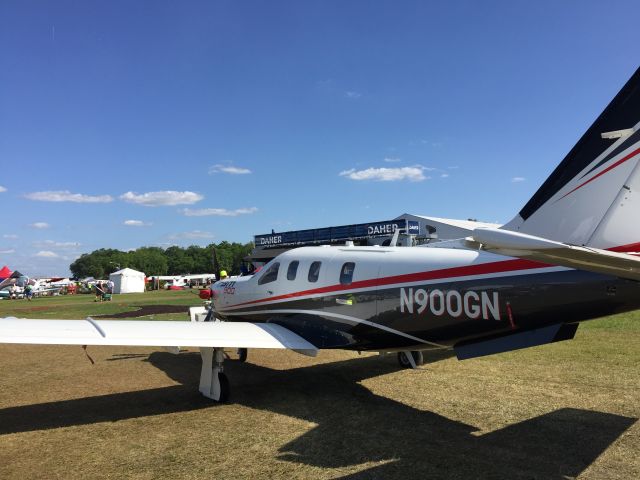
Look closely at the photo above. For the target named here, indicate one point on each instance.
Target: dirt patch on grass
(143, 311)
(35, 309)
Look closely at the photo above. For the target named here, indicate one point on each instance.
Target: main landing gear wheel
(224, 388)
(405, 361)
(214, 384)
(242, 354)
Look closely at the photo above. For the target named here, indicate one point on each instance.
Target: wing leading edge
(152, 333)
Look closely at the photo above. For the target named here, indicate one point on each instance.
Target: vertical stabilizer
(593, 197)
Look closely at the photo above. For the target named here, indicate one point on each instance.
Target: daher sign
(337, 234)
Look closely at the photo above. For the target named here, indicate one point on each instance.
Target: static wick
(84, 347)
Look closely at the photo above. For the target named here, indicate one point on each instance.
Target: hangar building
(414, 230)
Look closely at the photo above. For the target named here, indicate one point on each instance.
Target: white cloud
(11, 236)
(2, 189)
(218, 212)
(228, 169)
(50, 244)
(136, 223)
(194, 234)
(391, 160)
(353, 95)
(444, 175)
(46, 254)
(8, 251)
(40, 225)
(165, 198)
(413, 174)
(67, 196)
(517, 179)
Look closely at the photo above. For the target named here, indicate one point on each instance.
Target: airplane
(42, 287)
(6, 292)
(38, 287)
(569, 255)
(185, 281)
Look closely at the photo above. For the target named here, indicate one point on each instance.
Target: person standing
(99, 292)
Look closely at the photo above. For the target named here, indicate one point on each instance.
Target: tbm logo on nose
(473, 304)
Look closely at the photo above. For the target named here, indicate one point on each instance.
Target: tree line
(158, 261)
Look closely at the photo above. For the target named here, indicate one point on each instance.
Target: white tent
(127, 280)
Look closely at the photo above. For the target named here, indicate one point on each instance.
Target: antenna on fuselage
(394, 239)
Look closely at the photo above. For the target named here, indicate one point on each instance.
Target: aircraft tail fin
(593, 197)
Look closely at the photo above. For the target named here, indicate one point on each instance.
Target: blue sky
(127, 124)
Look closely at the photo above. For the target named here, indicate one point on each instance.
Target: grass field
(568, 410)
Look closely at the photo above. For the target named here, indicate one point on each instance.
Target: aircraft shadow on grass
(354, 425)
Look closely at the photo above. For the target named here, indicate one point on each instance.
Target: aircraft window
(270, 275)
(292, 270)
(346, 274)
(314, 271)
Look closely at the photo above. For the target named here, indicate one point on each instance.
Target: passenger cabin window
(270, 275)
(314, 272)
(292, 270)
(346, 273)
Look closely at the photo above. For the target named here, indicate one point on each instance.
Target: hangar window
(346, 273)
(292, 270)
(270, 275)
(314, 271)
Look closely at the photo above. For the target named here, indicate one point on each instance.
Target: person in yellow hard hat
(223, 275)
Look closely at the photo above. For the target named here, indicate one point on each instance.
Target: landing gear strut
(410, 359)
(213, 382)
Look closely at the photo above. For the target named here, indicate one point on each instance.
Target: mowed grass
(84, 305)
(567, 410)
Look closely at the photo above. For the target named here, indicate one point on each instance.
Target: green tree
(201, 257)
(178, 262)
(150, 260)
(156, 261)
(87, 265)
(231, 255)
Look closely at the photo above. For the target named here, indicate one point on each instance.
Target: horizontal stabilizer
(152, 333)
(516, 341)
(514, 244)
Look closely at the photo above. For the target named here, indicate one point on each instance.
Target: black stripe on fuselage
(534, 300)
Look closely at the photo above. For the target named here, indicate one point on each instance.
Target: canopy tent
(5, 273)
(127, 280)
(16, 278)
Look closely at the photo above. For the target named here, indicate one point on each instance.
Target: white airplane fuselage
(386, 298)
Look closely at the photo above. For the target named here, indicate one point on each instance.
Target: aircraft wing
(514, 244)
(152, 333)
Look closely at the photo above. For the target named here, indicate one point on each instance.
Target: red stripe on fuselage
(467, 270)
(629, 248)
(464, 271)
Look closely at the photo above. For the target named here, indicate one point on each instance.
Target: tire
(418, 357)
(403, 358)
(242, 354)
(224, 388)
